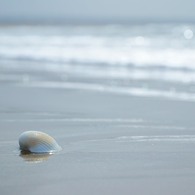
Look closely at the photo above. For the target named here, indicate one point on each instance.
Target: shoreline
(111, 143)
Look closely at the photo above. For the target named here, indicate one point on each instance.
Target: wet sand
(112, 144)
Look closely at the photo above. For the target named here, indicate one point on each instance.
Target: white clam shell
(38, 142)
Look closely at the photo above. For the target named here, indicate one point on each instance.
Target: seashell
(38, 142)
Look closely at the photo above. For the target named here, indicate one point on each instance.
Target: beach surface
(118, 99)
(112, 144)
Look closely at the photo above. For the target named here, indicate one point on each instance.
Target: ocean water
(149, 60)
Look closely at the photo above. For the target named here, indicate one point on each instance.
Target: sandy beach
(118, 99)
(112, 144)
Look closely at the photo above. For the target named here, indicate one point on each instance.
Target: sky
(97, 10)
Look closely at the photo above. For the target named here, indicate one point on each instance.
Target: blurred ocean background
(150, 60)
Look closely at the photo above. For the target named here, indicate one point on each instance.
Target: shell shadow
(33, 157)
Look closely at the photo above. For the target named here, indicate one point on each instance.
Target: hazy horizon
(91, 11)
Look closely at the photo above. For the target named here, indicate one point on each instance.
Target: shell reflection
(34, 158)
